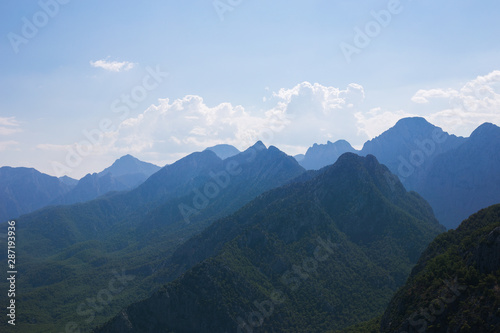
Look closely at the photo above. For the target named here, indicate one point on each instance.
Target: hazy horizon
(163, 79)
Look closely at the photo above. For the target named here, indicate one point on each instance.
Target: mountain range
(224, 240)
(456, 175)
(441, 167)
(454, 286)
(62, 247)
(24, 190)
(308, 256)
(124, 174)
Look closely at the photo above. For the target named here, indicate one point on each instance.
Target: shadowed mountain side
(465, 179)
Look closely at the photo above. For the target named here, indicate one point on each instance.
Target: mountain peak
(413, 123)
(397, 146)
(128, 164)
(259, 146)
(406, 127)
(352, 160)
(485, 129)
(413, 120)
(224, 150)
(362, 170)
(127, 157)
(320, 155)
(125, 160)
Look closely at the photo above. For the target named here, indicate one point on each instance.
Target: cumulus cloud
(376, 121)
(456, 110)
(9, 125)
(112, 66)
(186, 124)
(423, 96)
(461, 110)
(292, 119)
(318, 113)
(295, 117)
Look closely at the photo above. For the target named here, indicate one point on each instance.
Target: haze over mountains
(207, 240)
(442, 167)
(465, 179)
(124, 174)
(458, 176)
(25, 190)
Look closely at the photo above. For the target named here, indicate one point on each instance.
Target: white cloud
(9, 125)
(185, 124)
(318, 113)
(423, 96)
(6, 145)
(295, 117)
(112, 66)
(9, 130)
(460, 111)
(457, 111)
(9, 121)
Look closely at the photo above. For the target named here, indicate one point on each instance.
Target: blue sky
(238, 71)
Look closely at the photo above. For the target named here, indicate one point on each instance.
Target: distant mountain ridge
(413, 149)
(320, 155)
(456, 175)
(23, 190)
(127, 165)
(224, 151)
(409, 148)
(466, 179)
(125, 173)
